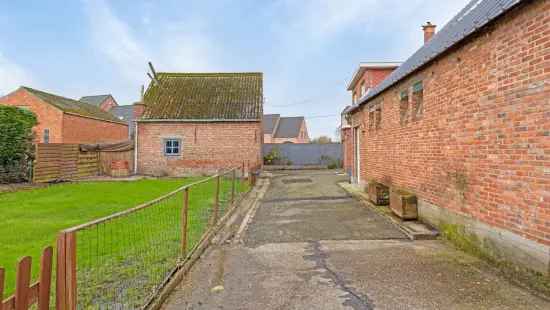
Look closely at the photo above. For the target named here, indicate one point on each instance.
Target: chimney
(429, 31)
(139, 108)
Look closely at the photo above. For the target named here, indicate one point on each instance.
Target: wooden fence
(110, 162)
(57, 161)
(61, 162)
(27, 295)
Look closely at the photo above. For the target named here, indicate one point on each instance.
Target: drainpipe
(136, 148)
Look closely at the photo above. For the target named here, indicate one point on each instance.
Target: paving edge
(244, 204)
(425, 233)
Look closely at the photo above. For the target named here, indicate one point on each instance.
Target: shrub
(16, 148)
(273, 156)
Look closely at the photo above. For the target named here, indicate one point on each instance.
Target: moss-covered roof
(73, 106)
(205, 96)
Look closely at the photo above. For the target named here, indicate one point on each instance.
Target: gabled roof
(289, 127)
(124, 113)
(270, 122)
(72, 106)
(471, 18)
(205, 96)
(96, 100)
(363, 66)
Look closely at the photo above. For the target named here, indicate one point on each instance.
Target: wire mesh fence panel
(201, 210)
(122, 262)
(226, 192)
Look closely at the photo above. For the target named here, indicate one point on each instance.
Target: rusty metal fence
(124, 260)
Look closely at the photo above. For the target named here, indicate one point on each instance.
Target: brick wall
(482, 146)
(77, 129)
(206, 147)
(48, 117)
(108, 104)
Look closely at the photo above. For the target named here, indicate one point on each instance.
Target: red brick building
(200, 122)
(64, 120)
(104, 102)
(464, 124)
(365, 78)
(277, 129)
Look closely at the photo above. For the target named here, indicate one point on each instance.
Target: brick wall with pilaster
(205, 147)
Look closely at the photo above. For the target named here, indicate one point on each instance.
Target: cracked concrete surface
(304, 252)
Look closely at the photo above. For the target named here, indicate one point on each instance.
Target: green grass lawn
(31, 219)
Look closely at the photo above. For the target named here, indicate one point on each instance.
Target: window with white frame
(172, 147)
(363, 90)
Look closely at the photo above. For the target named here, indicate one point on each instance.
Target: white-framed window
(363, 90)
(46, 137)
(172, 147)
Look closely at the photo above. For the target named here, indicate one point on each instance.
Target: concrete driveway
(312, 246)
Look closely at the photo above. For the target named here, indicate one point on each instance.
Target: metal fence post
(184, 213)
(216, 201)
(233, 186)
(242, 178)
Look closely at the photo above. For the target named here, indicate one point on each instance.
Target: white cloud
(328, 17)
(113, 38)
(175, 48)
(12, 76)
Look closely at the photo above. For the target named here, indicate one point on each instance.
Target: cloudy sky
(307, 49)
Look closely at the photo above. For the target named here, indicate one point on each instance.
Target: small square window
(46, 137)
(172, 147)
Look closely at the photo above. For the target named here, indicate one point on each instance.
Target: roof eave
(197, 120)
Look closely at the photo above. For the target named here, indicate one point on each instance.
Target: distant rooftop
(282, 127)
(95, 100)
(370, 65)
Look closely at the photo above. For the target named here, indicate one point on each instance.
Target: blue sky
(307, 49)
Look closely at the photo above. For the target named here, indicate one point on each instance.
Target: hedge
(16, 148)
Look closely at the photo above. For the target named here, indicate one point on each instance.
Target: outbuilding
(65, 120)
(197, 123)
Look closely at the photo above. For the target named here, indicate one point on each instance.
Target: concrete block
(403, 204)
